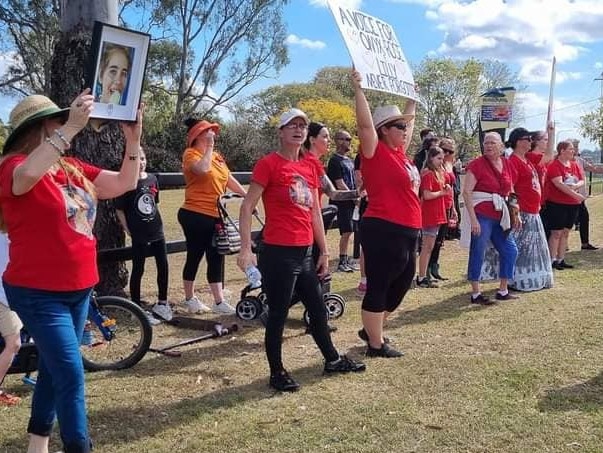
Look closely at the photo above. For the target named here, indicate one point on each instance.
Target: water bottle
(254, 277)
(356, 213)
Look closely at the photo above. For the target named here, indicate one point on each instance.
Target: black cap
(515, 135)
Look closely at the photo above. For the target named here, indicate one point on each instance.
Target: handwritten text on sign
(375, 51)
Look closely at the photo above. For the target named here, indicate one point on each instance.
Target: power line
(564, 108)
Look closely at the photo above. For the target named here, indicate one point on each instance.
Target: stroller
(252, 304)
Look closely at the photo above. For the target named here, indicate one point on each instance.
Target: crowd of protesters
(515, 212)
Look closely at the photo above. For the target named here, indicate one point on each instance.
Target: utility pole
(600, 79)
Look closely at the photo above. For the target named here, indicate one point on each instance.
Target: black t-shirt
(140, 208)
(341, 167)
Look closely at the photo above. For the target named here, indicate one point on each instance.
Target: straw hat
(30, 110)
(388, 114)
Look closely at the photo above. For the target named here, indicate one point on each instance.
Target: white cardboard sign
(375, 51)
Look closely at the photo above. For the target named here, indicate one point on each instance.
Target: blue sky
(525, 34)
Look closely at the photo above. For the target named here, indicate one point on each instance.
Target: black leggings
(389, 260)
(439, 242)
(583, 221)
(139, 253)
(284, 270)
(199, 231)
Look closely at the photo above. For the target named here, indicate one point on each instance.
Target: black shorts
(561, 216)
(344, 216)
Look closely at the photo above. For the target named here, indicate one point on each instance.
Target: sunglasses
(529, 139)
(295, 126)
(448, 151)
(399, 126)
(345, 139)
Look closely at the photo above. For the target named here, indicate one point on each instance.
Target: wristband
(56, 146)
(59, 133)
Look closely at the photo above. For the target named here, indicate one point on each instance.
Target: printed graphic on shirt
(146, 207)
(300, 192)
(80, 209)
(535, 180)
(414, 175)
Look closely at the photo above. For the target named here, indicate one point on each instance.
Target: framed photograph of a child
(116, 72)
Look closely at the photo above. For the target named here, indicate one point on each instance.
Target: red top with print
(288, 197)
(536, 160)
(489, 179)
(449, 197)
(526, 183)
(320, 172)
(392, 183)
(433, 211)
(571, 173)
(50, 229)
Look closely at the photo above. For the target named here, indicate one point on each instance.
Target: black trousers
(389, 261)
(286, 269)
(199, 231)
(584, 223)
(159, 252)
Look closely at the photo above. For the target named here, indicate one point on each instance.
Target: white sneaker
(164, 311)
(194, 305)
(152, 319)
(224, 308)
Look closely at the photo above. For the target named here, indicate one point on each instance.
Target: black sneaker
(425, 283)
(385, 351)
(364, 336)
(344, 365)
(589, 247)
(283, 382)
(558, 266)
(343, 267)
(564, 265)
(507, 296)
(482, 300)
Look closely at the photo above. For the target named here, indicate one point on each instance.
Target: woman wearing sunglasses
(391, 224)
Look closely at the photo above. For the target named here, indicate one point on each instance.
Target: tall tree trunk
(104, 147)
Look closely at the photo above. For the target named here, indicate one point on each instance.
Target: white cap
(291, 114)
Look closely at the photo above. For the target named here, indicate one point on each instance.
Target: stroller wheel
(306, 317)
(249, 308)
(335, 305)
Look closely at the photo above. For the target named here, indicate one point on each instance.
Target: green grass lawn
(522, 376)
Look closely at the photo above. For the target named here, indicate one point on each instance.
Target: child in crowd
(10, 329)
(434, 190)
(137, 212)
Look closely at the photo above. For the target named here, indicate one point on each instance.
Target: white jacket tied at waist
(500, 204)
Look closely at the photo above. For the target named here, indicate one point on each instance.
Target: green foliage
(451, 89)
(3, 134)
(30, 30)
(591, 125)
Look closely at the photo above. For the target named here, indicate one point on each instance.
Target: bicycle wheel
(124, 343)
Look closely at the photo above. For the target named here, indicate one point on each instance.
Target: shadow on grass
(585, 396)
(117, 425)
(205, 351)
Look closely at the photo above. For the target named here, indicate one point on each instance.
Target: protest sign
(375, 51)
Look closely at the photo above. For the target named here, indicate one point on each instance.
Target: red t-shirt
(490, 180)
(288, 197)
(536, 159)
(392, 183)
(433, 211)
(320, 172)
(570, 173)
(526, 183)
(449, 197)
(50, 229)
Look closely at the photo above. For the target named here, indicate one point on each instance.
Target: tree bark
(103, 148)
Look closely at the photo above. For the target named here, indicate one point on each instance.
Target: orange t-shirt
(202, 191)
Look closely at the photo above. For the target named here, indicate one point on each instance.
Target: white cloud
(567, 113)
(295, 40)
(516, 31)
(599, 65)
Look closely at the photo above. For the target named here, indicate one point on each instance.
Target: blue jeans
(56, 321)
(504, 244)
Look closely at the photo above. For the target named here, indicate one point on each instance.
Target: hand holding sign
(375, 51)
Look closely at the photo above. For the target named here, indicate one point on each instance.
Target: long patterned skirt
(533, 270)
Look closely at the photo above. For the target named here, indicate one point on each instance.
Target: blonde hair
(28, 140)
